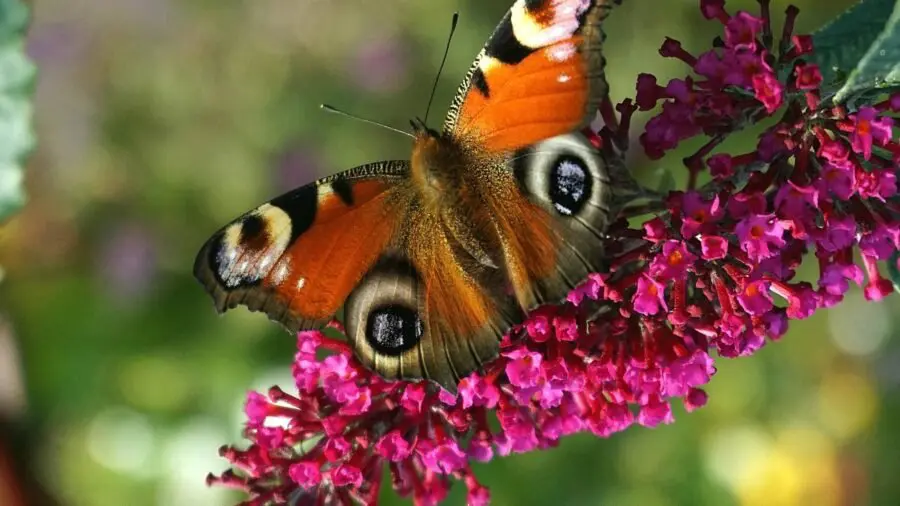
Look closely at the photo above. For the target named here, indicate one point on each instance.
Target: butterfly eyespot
(567, 175)
(252, 228)
(393, 329)
(382, 314)
(244, 251)
(570, 184)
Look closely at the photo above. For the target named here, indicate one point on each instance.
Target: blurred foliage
(159, 120)
(16, 86)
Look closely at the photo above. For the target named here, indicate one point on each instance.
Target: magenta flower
(720, 166)
(754, 298)
(840, 180)
(741, 31)
(867, 128)
(808, 77)
(769, 91)
(714, 247)
(649, 297)
(710, 273)
(673, 263)
(760, 235)
(699, 215)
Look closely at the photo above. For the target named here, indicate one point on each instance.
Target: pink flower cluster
(713, 274)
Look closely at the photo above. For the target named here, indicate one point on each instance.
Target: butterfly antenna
(443, 61)
(339, 112)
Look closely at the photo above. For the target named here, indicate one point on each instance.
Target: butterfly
(435, 258)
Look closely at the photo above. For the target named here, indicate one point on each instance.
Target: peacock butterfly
(435, 258)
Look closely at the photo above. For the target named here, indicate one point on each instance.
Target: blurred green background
(159, 120)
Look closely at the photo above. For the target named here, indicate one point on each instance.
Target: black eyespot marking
(251, 228)
(533, 6)
(300, 205)
(504, 45)
(519, 162)
(344, 190)
(480, 83)
(569, 184)
(393, 329)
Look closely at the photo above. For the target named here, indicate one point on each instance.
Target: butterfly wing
(298, 257)
(535, 85)
(425, 311)
(539, 75)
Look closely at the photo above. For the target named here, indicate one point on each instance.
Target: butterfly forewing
(297, 257)
(540, 74)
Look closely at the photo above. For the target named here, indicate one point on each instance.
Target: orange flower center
(675, 258)
(864, 127)
(751, 290)
(756, 231)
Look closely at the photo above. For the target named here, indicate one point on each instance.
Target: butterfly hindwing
(575, 191)
(426, 309)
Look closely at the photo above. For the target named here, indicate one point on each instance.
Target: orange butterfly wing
(424, 311)
(413, 308)
(536, 83)
(539, 75)
(299, 256)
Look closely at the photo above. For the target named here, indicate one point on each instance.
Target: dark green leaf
(894, 270)
(860, 48)
(16, 86)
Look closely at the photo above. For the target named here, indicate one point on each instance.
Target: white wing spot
(562, 25)
(561, 52)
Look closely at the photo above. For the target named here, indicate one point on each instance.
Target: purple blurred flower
(381, 66)
(127, 263)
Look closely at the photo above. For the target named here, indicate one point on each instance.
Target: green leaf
(861, 48)
(17, 75)
(894, 270)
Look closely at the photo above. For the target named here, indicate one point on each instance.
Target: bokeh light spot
(859, 327)
(122, 439)
(847, 404)
(154, 383)
(738, 388)
(188, 455)
(732, 453)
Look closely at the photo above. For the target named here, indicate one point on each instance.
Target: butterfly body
(434, 259)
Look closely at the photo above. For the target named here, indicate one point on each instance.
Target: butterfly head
(433, 157)
(420, 129)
